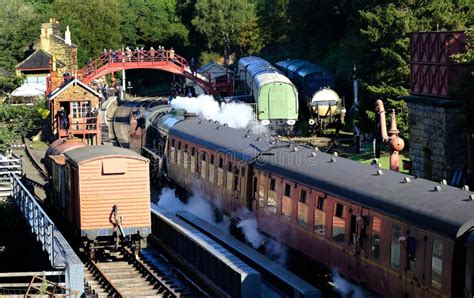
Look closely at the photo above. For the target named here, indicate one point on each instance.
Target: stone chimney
(47, 31)
(67, 36)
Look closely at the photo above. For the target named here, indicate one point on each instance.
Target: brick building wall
(437, 137)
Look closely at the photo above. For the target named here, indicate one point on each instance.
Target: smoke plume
(249, 226)
(236, 115)
(344, 287)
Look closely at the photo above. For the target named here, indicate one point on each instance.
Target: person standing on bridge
(172, 54)
(152, 54)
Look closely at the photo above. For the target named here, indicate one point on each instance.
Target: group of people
(180, 88)
(139, 54)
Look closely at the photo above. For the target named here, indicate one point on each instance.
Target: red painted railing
(167, 60)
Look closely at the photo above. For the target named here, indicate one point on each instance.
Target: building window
(338, 223)
(287, 190)
(395, 247)
(320, 217)
(437, 264)
(376, 230)
(303, 196)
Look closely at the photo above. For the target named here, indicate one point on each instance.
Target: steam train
(276, 98)
(319, 104)
(399, 235)
(102, 193)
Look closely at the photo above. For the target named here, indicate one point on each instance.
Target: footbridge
(166, 60)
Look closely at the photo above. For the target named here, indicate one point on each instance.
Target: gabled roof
(208, 66)
(89, 153)
(67, 84)
(38, 60)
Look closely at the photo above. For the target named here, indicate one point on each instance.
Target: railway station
(145, 171)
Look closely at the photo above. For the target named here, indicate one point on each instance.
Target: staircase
(8, 166)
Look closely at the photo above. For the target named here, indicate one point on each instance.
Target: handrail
(155, 57)
(60, 253)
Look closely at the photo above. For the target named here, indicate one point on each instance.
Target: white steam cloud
(196, 204)
(344, 287)
(236, 115)
(273, 249)
(201, 208)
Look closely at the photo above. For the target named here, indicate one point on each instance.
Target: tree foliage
(221, 22)
(20, 121)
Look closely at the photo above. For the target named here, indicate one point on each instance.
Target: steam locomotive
(399, 235)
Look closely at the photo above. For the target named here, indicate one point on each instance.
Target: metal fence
(8, 167)
(60, 253)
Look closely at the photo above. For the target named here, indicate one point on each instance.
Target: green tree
(221, 22)
(18, 30)
(94, 25)
(153, 23)
(18, 121)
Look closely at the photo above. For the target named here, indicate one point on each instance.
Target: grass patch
(39, 145)
(367, 155)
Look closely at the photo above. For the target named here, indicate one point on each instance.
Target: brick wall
(437, 137)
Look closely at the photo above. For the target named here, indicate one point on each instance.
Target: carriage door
(358, 241)
(469, 276)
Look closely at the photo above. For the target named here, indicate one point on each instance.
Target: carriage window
(302, 213)
(179, 145)
(185, 147)
(376, 230)
(286, 207)
(395, 247)
(338, 223)
(229, 167)
(272, 184)
(437, 264)
(303, 196)
(287, 190)
(271, 201)
(172, 143)
(221, 162)
(320, 217)
(193, 151)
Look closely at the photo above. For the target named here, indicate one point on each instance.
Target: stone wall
(52, 41)
(437, 137)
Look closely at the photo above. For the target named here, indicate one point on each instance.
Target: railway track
(122, 274)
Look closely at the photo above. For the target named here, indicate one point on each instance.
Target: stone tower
(437, 121)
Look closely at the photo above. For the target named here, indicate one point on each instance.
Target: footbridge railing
(60, 253)
(112, 61)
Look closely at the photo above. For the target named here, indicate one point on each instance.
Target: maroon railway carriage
(398, 235)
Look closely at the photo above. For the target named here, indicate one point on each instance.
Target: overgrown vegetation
(17, 121)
